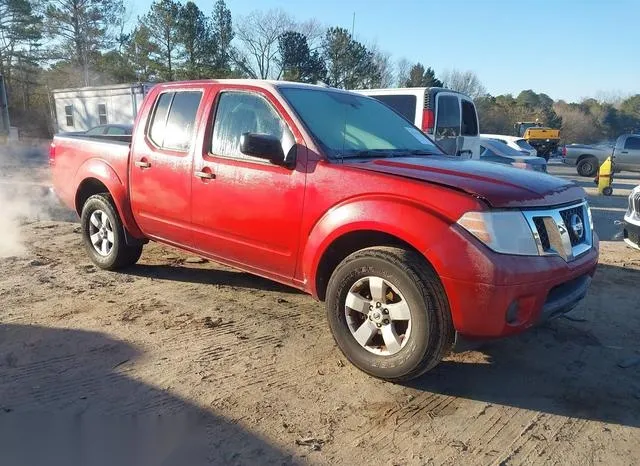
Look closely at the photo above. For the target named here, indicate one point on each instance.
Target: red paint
(278, 223)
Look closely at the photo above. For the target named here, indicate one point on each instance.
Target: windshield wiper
(367, 153)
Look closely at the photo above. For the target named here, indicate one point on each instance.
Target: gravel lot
(227, 367)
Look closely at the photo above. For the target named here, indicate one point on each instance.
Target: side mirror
(263, 146)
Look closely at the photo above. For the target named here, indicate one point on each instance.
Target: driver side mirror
(263, 146)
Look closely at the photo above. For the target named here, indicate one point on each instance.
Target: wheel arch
(96, 176)
(367, 223)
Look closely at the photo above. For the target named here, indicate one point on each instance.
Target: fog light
(512, 313)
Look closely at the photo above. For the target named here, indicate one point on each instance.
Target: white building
(83, 108)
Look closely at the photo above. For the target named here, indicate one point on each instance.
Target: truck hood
(500, 186)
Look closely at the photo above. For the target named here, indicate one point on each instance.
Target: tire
(409, 278)
(587, 167)
(607, 191)
(99, 217)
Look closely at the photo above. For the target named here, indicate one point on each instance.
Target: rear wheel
(607, 190)
(588, 166)
(388, 313)
(103, 235)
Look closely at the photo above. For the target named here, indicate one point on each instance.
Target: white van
(447, 116)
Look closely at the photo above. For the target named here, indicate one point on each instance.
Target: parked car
(410, 249)
(631, 230)
(492, 150)
(447, 116)
(516, 143)
(103, 130)
(588, 159)
(110, 130)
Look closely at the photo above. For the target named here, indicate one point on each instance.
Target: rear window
(405, 105)
(469, 120)
(632, 143)
(159, 120)
(448, 117)
(523, 144)
(181, 121)
(174, 120)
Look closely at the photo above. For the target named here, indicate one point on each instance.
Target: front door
(161, 166)
(628, 157)
(245, 210)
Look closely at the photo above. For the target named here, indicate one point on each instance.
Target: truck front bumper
(631, 234)
(532, 290)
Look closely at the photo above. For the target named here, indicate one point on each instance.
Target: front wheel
(388, 313)
(103, 235)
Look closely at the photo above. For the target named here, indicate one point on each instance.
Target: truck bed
(75, 157)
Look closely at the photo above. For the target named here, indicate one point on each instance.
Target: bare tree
(466, 82)
(382, 61)
(313, 30)
(402, 72)
(258, 33)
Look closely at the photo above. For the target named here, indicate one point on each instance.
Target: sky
(568, 49)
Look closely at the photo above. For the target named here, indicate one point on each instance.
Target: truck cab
(448, 117)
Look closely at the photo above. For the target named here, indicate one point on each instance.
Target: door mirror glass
(262, 146)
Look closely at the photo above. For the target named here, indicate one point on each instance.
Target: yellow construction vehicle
(544, 139)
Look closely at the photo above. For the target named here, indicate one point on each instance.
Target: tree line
(52, 44)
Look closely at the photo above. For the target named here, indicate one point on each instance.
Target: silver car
(631, 231)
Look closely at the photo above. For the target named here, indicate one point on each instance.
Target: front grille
(555, 234)
(542, 232)
(567, 215)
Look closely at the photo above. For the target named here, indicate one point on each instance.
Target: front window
(238, 113)
(632, 144)
(350, 125)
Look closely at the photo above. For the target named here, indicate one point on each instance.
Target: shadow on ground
(66, 399)
(207, 276)
(527, 372)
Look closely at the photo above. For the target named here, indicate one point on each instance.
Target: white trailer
(83, 108)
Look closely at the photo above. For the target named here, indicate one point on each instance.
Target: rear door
(628, 157)
(469, 128)
(245, 210)
(161, 166)
(448, 121)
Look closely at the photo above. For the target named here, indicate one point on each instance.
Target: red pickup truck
(338, 195)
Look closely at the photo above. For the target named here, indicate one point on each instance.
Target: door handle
(624, 152)
(205, 175)
(143, 164)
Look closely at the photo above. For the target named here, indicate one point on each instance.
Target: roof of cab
(262, 83)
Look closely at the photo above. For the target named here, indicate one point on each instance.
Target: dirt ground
(234, 369)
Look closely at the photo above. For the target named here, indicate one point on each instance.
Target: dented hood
(497, 184)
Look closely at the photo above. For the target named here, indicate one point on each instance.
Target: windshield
(350, 125)
(523, 144)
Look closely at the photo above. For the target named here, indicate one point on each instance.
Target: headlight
(590, 217)
(503, 232)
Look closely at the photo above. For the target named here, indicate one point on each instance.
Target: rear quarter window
(405, 105)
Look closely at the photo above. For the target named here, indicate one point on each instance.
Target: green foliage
(162, 22)
(419, 77)
(297, 61)
(222, 35)
(349, 64)
(81, 29)
(195, 37)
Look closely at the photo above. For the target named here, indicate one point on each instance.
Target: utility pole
(353, 24)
